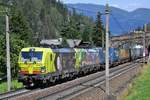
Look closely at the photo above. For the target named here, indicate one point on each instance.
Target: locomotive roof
(35, 49)
(64, 50)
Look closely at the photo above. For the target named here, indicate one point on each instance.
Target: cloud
(115, 5)
(133, 6)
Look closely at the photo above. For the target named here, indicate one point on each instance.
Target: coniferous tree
(19, 26)
(70, 30)
(19, 38)
(98, 31)
(42, 17)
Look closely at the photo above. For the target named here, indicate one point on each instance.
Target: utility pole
(130, 43)
(103, 40)
(68, 17)
(144, 45)
(107, 50)
(8, 54)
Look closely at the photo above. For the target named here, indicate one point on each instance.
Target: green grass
(15, 85)
(141, 87)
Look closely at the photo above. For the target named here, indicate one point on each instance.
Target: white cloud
(115, 5)
(133, 6)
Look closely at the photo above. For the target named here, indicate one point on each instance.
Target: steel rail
(96, 85)
(11, 94)
(22, 91)
(83, 83)
(87, 84)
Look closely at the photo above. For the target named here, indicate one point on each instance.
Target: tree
(2, 25)
(16, 45)
(19, 38)
(19, 26)
(98, 31)
(71, 30)
(47, 18)
(86, 35)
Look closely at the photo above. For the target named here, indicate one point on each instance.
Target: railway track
(15, 93)
(69, 89)
(69, 93)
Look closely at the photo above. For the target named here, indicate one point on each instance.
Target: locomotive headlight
(43, 69)
(19, 69)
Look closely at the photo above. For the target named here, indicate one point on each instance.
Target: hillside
(34, 20)
(126, 21)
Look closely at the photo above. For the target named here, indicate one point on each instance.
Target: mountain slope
(121, 21)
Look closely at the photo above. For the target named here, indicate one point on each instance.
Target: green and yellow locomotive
(46, 65)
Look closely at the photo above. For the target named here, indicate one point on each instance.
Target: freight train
(40, 66)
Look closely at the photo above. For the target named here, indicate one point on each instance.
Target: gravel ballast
(117, 85)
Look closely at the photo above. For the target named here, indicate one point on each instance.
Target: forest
(30, 21)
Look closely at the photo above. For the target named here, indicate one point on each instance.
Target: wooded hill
(34, 20)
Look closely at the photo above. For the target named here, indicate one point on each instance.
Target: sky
(128, 5)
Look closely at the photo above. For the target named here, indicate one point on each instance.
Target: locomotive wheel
(53, 79)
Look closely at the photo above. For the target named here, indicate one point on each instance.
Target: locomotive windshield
(31, 56)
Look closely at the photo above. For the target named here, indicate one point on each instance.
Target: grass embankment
(141, 86)
(15, 85)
